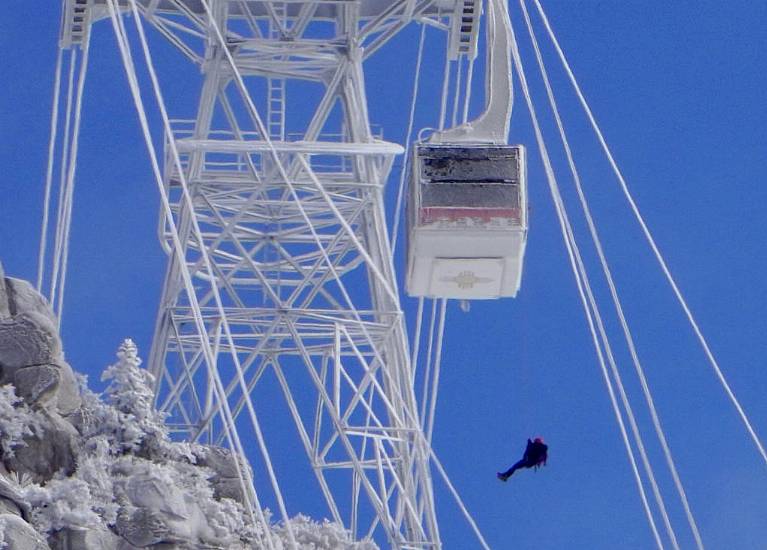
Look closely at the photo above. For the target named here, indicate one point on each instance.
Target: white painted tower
(279, 260)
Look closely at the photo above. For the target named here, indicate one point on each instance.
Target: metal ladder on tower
(276, 86)
(75, 23)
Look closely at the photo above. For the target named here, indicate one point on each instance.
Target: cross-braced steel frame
(279, 259)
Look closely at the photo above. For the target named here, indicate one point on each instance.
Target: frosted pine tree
(17, 421)
(142, 428)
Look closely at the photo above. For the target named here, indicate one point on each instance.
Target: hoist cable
(467, 93)
(445, 91)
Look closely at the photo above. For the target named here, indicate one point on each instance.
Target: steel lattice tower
(279, 257)
(284, 240)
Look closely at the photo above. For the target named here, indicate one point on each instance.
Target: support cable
(457, 93)
(245, 480)
(58, 242)
(307, 168)
(672, 282)
(437, 365)
(214, 285)
(581, 282)
(467, 92)
(70, 187)
(416, 340)
(429, 355)
(445, 89)
(613, 289)
(458, 500)
(408, 140)
(238, 78)
(49, 169)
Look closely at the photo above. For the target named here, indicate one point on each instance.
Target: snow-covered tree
(17, 420)
(140, 426)
(132, 480)
(64, 502)
(325, 535)
(94, 466)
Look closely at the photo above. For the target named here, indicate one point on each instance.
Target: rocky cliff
(82, 472)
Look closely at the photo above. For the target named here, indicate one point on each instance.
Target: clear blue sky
(679, 91)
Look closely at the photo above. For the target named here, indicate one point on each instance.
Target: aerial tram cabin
(467, 220)
(467, 204)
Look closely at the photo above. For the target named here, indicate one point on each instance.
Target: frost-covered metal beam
(279, 259)
(300, 273)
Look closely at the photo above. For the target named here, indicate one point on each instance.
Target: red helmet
(538, 439)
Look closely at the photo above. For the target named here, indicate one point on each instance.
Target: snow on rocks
(37, 384)
(27, 339)
(152, 492)
(79, 539)
(225, 480)
(322, 536)
(50, 449)
(23, 298)
(28, 334)
(17, 421)
(31, 356)
(5, 304)
(11, 499)
(17, 534)
(86, 473)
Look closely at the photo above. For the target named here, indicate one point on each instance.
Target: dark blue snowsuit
(535, 455)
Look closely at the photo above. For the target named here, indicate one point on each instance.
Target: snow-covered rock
(27, 339)
(78, 472)
(28, 334)
(37, 384)
(225, 480)
(80, 539)
(11, 499)
(53, 387)
(23, 298)
(5, 305)
(143, 527)
(31, 356)
(17, 534)
(153, 493)
(68, 393)
(50, 450)
(218, 459)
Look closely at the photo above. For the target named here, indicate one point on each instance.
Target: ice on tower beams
(467, 221)
(324, 9)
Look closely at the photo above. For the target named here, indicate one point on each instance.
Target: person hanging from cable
(535, 456)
